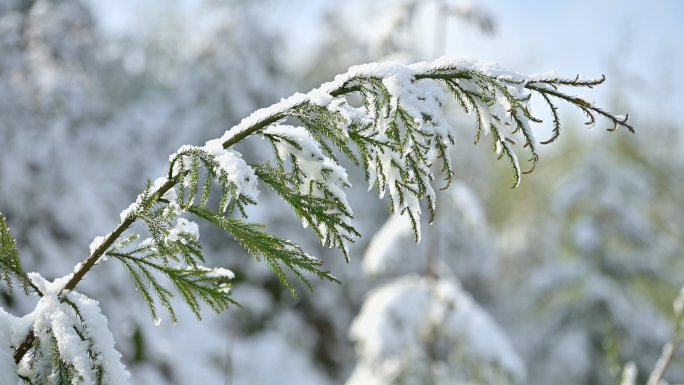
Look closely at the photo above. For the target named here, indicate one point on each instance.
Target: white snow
(96, 243)
(239, 173)
(460, 316)
(183, 226)
(103, 342)
(271, 358)
(422, 99)
(169, 195)
(468, 63)
(265, 113)
(147, 242)
(316, 167)
(53, 318)
(392, 251)
(392, 318)
(398, 319)
(46, 286)
(219, 272)
(132, 207)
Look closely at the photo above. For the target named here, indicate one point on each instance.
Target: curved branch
(355, 78)
(89, 263)
(130, 220)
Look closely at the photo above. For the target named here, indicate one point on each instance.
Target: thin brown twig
(666, 357)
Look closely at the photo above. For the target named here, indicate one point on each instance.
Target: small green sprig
(193, 283)
(9, 262)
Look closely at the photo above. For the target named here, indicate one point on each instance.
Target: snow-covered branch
(393, 135)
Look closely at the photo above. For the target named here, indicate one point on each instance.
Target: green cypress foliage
(394, 136)
(9, 261)
(386, 127)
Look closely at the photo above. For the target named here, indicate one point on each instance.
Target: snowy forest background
(561, 281)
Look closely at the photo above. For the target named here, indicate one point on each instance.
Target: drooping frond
(277, 252)
(193, 283)
(400, 127)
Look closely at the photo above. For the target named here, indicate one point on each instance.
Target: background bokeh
(574, 272)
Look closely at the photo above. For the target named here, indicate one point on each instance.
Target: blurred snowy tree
(594, 265)
(420, 326)
(589, 294)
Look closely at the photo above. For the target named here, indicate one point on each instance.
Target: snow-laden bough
(394, 135)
